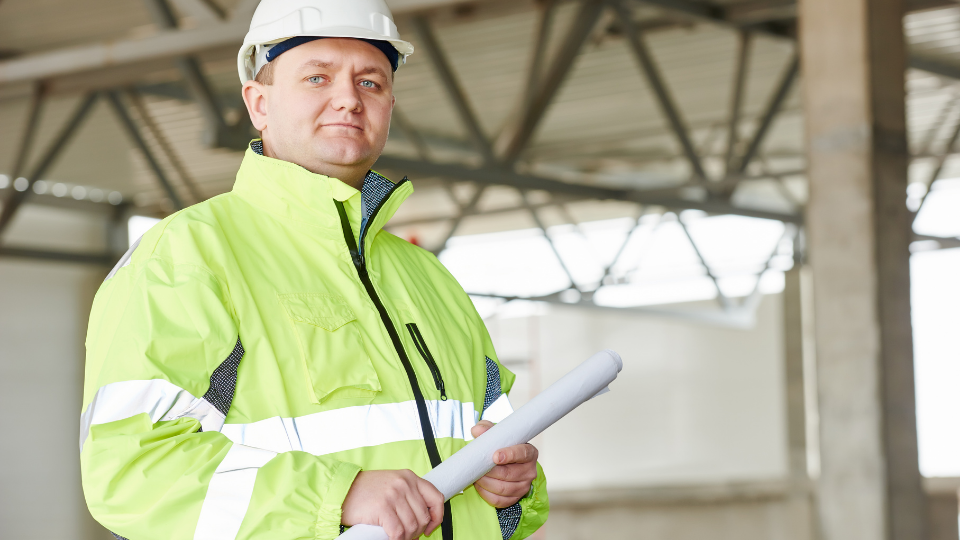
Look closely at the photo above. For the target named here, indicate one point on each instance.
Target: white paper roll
(466, 466)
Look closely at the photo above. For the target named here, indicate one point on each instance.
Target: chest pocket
(331, 347)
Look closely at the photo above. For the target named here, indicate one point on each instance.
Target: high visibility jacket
(252, 353)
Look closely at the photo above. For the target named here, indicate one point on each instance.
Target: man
(272, 364)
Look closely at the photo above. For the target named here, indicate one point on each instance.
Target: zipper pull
(443, 391)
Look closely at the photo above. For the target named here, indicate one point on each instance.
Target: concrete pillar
(793, 370)
(942, 503)
(853, 61)
(799, 501)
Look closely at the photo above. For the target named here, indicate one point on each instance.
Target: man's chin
(343, 155)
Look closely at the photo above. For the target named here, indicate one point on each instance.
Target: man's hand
(405, 505)
(511, 479)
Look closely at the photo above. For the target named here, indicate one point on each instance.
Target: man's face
(328, 108)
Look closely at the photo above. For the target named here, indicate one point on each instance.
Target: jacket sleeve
(163, 353)
(529, 513)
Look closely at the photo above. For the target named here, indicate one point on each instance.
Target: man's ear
(254, 96)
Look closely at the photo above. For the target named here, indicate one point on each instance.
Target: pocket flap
(328, 311)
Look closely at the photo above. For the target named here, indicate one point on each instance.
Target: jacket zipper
(428, 358)
(360, 264)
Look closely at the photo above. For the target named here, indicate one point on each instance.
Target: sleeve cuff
(535, 507)
(328, 516)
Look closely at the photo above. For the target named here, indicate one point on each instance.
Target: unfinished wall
(690, 444)
(43, 314)
(695, 403)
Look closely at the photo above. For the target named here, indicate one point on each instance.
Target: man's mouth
(354, 126)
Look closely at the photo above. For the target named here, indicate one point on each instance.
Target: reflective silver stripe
(125, 260)
(256, 443)
(498, 410)
(159, 399)
(355, 427)
(229, 493)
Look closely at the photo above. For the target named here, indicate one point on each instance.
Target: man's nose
(346, 96)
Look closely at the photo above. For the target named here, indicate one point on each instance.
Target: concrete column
(942, 503)
(793, 370)
(853, 61)
(799, 501)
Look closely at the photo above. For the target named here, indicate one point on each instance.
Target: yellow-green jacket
(245, 360)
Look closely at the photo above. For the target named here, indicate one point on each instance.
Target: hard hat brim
(245, 65)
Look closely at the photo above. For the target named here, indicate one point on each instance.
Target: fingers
(401, 521)
(503, 488)
(418, 511)
(393, 527)
(409, 520)
(402, 503)
(481, 427)
(434, 502)
(497, 501)
(504, 485)
(521, 453)
(514, 472)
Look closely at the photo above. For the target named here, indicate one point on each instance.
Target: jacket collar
(291, 192)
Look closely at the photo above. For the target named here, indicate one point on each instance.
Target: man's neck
(352, 176)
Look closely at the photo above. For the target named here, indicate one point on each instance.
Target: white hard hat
(277, 20)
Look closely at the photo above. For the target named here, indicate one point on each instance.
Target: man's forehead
(335, 53)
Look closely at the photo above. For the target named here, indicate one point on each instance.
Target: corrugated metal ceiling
(603, 126)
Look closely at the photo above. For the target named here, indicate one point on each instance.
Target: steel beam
(923, 149)
(100, 259)
(219, 133)
(465, 210)
(171, 43)
(134, 133)
(938, 168)
(721, 15)
(543, 228)
(626, 241)
(667, 106)
(214, 9)
(29, 131)
(583, 24)
(944, 242)
(410, 133)
(453, 88)
(700, 10)
(721, 298)
(488, 175)
(165, 145)
(539, 51)
(202, 93)
(773, 107)
(933, 66)
(69, 203)
(14, 199)
(52, 153)
(736, 100)
(464, 213)
(129, 51)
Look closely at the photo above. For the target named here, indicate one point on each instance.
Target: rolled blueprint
(466, 466)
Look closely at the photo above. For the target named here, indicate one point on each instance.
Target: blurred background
(759, 214)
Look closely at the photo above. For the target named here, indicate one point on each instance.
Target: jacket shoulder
(193, 235)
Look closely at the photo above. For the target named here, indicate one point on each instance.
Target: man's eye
(368, 84)
(315, 79)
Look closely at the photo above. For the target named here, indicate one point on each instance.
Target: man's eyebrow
(373, 69)
(316, 63)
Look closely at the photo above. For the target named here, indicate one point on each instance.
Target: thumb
(481, 427)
